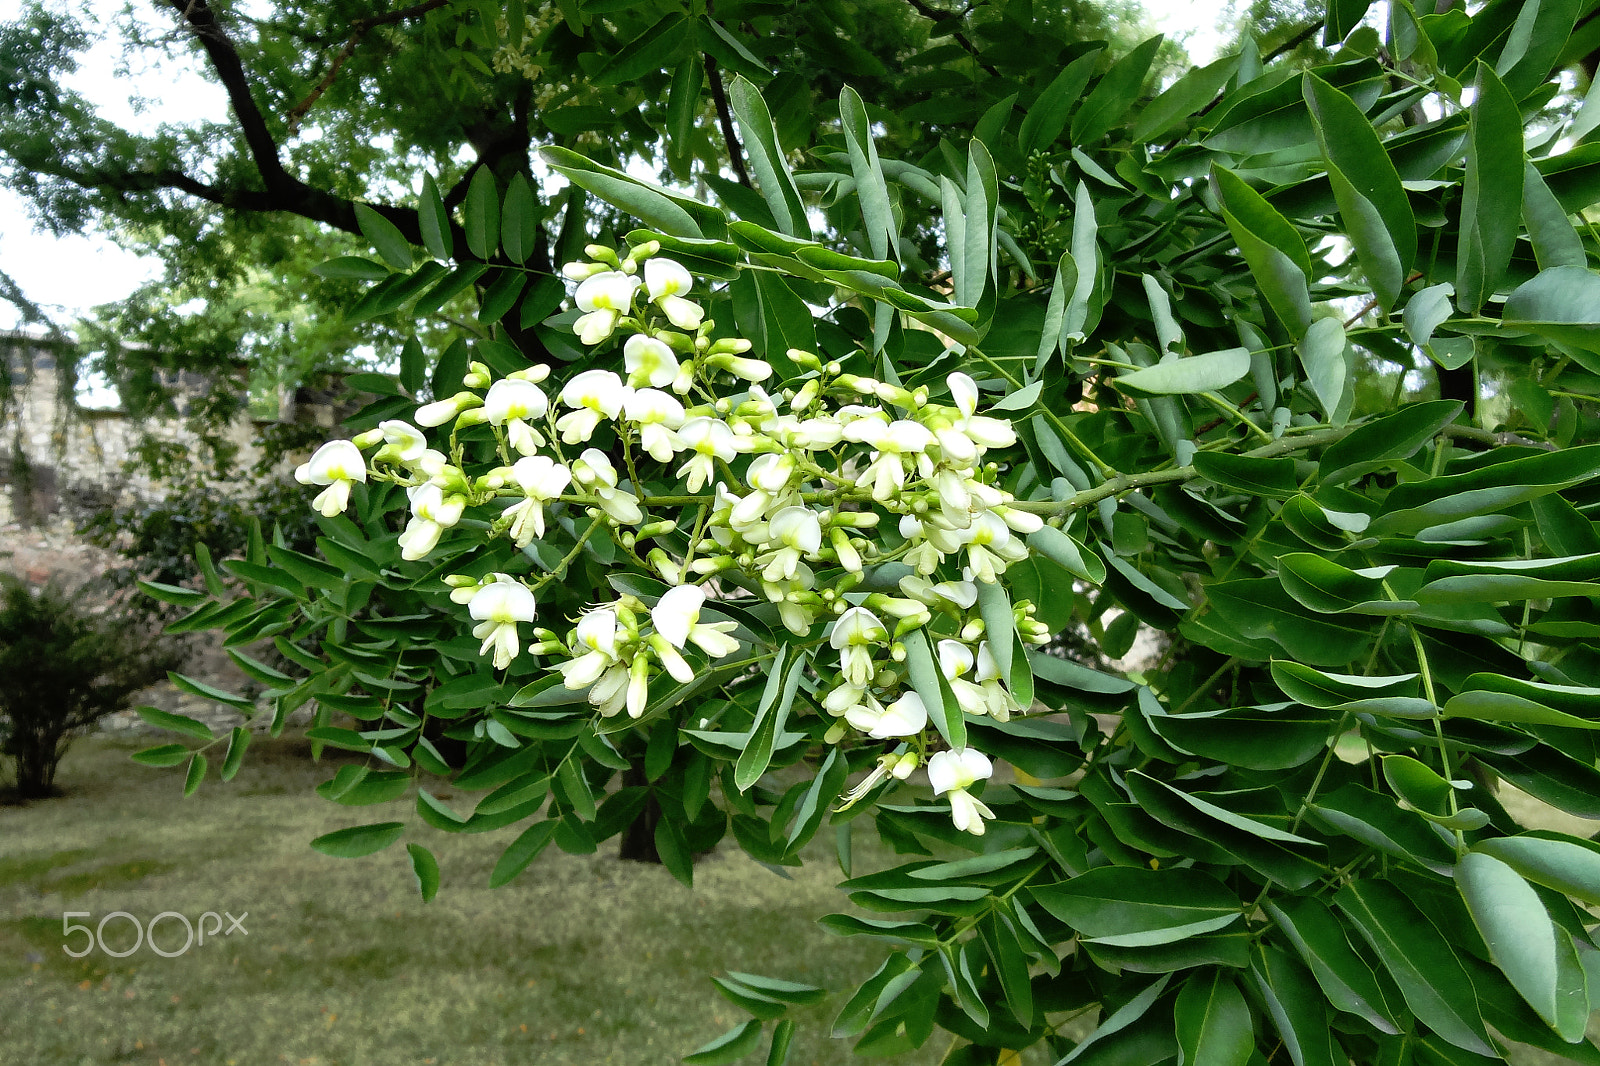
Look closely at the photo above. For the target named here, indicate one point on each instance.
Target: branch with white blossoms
(793, 494)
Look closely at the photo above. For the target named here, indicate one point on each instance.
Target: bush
(65, 669)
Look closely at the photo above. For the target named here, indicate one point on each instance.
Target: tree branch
(358, 30)
(725, 119)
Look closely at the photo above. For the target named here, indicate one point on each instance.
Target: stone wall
(58, 458)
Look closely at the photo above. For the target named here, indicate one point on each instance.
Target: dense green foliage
(1282, 838)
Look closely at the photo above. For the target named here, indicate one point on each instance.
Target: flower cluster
(795, 494)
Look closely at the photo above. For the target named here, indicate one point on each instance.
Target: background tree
(66, 669)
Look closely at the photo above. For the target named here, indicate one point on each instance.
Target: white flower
(498, 606)
(597, 631)
(337, 464)
(961, 593)
(510, 403)
(649, 362)
(963, 441)
(402, 441)
(998, 701)
(603, 297)
(432, 512)
(798, 531)
(854, 634)
(594, 394)
(593, 471)
(954, 772)
(677, 620)
(990, 547)
(905, 717)
(541, 479)
(665, 282)
(658, 415)
(710, 439)
(895, 442)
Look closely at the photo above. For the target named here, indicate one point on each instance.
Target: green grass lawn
(582, 959)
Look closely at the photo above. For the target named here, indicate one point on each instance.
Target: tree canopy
(835, 497)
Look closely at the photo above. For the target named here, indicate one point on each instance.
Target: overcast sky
(66, 276)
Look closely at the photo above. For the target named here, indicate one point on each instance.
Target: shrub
(64, 669)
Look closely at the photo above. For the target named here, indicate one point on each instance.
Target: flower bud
(368, 439)
(478, 376)
(601, 253)
(834, 734)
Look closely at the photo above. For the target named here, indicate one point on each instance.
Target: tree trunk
(639, 839)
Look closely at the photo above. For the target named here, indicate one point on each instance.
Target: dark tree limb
(725, 118)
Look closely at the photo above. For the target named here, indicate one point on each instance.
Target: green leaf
(1537, 958)
(1381, 440)
(1491, 193)
(782, 1036)
(872, 191)
(1562, 304)
(1569, 865)
(385, 237)
(425, 868)
(772, 318)
(1044, 121)
(1274, 737)
(1420, 959)
(195, 775)
(1486, 490)
(760, 141)
(657, 48)
(1325, 586)
(1197, 373)
(1198, 87)
(575, 788)
(1214, 1027)
(650, 204)
(783, 991)
(928, 681)
(1377, 215)
(353, 267)
(777, 698)
(522, 851)
(1555, 242)
(1348, 982)
(1505, 707)
(1108, 102)
(481, 214)
(1248, 474)
(1132, 907)
(1297, 1010)
(1379, 822)
(211, 692)
(161, 755)
(1322, 354)
(1427, 310)
(434, 222)
(1272, 248)
(359, 840)
(1088, 292)
(1343, 16)
(731, 1046)
(238, 741)
(520, 223)
(178, 723)
(1069, 553)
